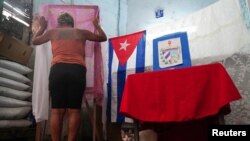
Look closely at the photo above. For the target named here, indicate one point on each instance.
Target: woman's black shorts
(67, 83)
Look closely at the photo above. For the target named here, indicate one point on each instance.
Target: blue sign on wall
(159, 13)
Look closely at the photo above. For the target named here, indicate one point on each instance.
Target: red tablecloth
(178, 94)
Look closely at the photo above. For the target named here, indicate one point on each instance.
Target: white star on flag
(124, 45)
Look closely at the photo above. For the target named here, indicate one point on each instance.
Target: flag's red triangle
(124, 46)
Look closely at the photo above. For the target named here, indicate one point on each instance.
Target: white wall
(141, 13)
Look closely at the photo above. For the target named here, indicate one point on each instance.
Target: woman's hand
(43, 22)
(99, 34)
(96, 22)
(41, 36)
(35, 23)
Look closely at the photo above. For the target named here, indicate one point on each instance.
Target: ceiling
(24, 5)
(16, 18)
(21, 9)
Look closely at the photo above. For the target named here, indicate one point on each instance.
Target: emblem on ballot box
(171, 51)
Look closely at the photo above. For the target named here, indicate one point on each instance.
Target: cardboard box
(14, 49)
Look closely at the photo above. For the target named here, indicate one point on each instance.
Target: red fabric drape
(178, 94)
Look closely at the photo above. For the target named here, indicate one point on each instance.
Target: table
(178, 95)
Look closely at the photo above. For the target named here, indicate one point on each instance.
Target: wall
(245, 4)
(141, 14)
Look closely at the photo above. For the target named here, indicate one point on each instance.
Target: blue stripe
(140, 56)
(109, 90)
(121, 78)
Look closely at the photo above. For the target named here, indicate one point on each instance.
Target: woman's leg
(76, 87)
(74, 121)
(56, 123)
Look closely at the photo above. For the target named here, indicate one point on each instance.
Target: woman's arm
(100, 36)
(41, 36)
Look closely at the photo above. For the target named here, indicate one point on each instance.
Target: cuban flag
(126, 56)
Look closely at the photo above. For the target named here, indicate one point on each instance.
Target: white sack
(6, 73)
(16, 67)
(12, 93)
(14, 123)
(13, 84)
(11, 102)
(14, 113)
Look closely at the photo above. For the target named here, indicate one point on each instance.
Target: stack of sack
(15, 95)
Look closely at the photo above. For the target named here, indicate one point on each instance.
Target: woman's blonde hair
(65, 19)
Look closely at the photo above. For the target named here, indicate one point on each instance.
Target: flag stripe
(140, 55)
(109, 82)
(121, 78)
(114, 85)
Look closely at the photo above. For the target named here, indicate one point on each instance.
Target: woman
(67, 80)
